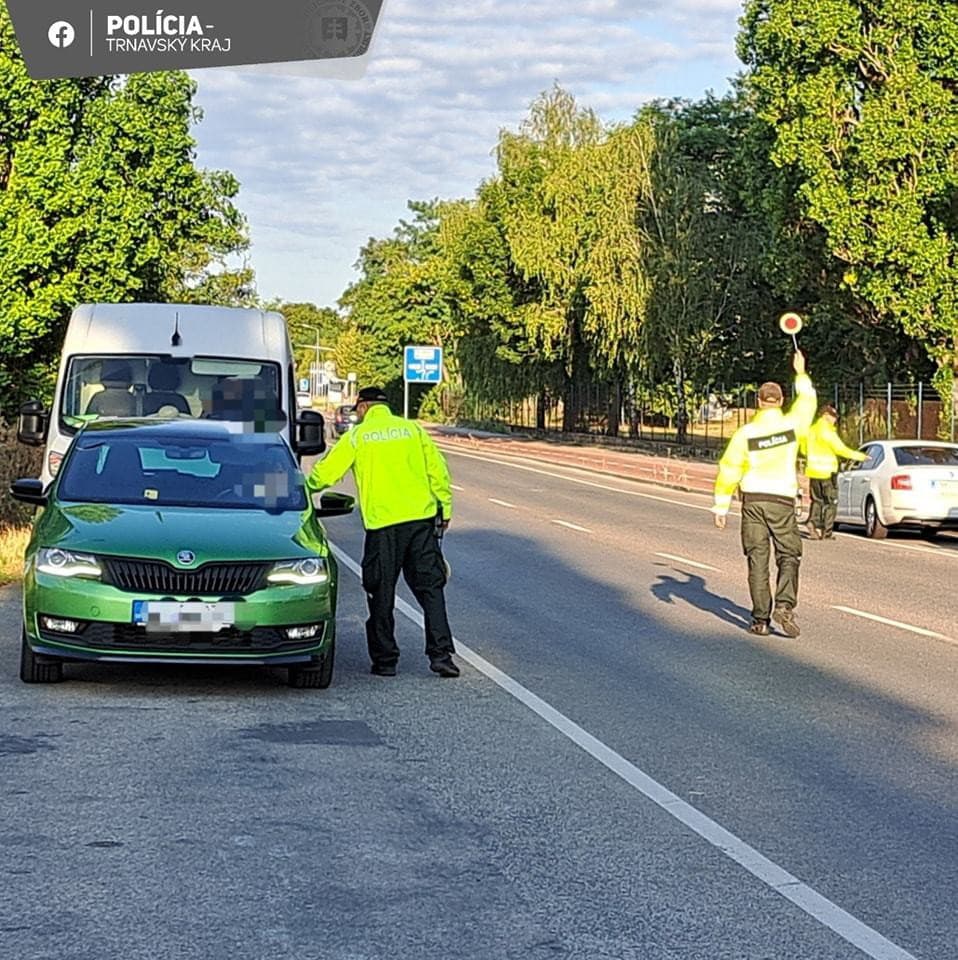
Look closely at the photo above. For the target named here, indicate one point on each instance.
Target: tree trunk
(681, 413)
(541, 402)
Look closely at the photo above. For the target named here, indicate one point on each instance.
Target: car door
(861, 480)
(854, 484)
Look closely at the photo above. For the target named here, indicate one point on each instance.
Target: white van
(131, 360)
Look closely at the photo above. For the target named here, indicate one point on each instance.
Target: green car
(179, 542)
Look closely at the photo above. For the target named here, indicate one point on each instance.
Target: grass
(13, 542)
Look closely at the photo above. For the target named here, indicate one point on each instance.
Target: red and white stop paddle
(791, 323)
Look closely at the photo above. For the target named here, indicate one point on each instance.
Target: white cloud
(324, 162)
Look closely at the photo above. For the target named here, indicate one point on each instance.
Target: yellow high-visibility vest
(761, 456)
(823, 446)
(400, 473)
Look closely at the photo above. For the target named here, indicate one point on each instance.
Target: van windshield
(101, 387)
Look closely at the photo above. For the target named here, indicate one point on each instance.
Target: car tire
(317, 676)
(35, 668)
(929, 533)
(874, 528)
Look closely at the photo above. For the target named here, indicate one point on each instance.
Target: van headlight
(65, 563)
(305, 572)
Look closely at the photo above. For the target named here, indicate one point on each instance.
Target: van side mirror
(28, 491)
(33, 423)
(310, 433)
(333, 504)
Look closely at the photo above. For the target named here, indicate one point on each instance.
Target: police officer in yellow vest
(822, 448)
(404, 492)
(760, 460)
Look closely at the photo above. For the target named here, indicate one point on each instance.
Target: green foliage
(100, 200)
(863, 99)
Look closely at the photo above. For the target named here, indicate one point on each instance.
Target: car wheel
(35, 668)
(874, 528)
(317, 676)
(929, 533)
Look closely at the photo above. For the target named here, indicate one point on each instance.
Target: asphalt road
(679, 789)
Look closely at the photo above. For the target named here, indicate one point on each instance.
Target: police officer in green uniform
(404, 492)
(760, 461)
(823, 446)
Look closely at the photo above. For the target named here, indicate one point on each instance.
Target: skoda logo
(185, 557)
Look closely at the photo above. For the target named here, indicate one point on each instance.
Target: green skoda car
(179, 542)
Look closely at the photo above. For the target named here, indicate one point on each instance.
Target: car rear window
(926, 456)
(242, 471)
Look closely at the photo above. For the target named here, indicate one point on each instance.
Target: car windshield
(926, 456)
(238, 471)
(99, 387)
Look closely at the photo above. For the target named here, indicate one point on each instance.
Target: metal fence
(867, 412)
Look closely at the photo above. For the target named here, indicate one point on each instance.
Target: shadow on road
(693, 591)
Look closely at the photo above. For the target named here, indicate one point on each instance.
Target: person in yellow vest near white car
(823, 446)
(761, 461)
(405, 499)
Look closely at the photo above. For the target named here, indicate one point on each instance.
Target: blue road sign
(422, 365)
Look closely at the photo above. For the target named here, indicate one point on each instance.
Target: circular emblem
(338, 28)
(185, 557)
(61, 34)
(790, 323)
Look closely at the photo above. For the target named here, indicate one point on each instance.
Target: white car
(903, 483)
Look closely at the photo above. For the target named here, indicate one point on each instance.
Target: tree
(863, 99)
(100, 200)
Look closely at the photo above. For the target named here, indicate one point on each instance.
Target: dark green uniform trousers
(764, 522)
(824, 495)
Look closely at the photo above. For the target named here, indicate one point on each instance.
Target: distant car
(344, 418)
(178, 542)
(911, 484)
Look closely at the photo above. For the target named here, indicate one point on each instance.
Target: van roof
(132, 328)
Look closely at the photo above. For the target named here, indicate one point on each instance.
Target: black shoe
(759, 627)
(785, 618)
(444, 667)
(383, 669)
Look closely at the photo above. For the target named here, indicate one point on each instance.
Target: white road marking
(456, 486)
(572, 526)
(921, 631)
(901, 546)
(820, 908)
(502, 503)
(585, 483)
(687, 562)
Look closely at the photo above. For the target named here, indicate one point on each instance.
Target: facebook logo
(61, 34)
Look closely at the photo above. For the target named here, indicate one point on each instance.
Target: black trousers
(764, 521)
(412, 548)
(824, 495)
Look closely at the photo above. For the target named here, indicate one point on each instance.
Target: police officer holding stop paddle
(760, 462)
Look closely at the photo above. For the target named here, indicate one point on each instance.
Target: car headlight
(309, 570)
(64, 563)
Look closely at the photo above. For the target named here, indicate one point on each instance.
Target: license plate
(188, 616)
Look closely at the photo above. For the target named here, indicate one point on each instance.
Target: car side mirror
(33, 423)
(332, 504)
(29, 491)
(310, 433)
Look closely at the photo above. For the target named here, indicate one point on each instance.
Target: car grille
(133, 638)
(212, 579)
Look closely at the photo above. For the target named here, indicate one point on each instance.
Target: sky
(324, 163)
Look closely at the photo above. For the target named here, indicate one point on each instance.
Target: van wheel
(35, 668)
(874, 528)
(316, 676)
